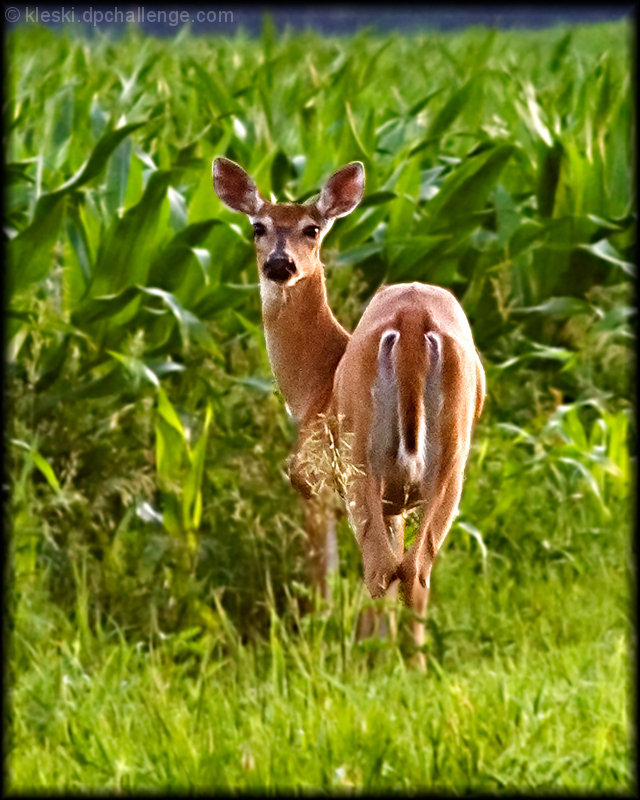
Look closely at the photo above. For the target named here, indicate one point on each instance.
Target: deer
(397, 399)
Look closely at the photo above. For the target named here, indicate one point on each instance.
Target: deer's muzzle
(279, 269)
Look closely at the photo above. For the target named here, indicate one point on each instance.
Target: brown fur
(332, 383)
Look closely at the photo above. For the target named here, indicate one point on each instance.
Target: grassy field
(528, 688)
(155, 560)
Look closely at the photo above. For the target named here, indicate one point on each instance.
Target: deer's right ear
(342, 192)
(235, 188)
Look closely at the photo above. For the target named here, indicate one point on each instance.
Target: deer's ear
(342, 192)
(235, 188)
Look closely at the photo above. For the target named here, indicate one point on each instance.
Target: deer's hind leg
(381, 540)
(395, 526)
(417, 563)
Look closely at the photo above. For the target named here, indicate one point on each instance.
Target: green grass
(529, 684)
(156, 556)
(528, 687)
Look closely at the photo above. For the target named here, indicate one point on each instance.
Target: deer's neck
(305, 343)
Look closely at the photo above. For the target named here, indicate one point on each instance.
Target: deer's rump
(402, 369)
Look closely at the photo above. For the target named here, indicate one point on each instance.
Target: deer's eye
(311, 231)
(258, 230)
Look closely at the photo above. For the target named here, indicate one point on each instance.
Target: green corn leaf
(358, 254)
(481, 55)
(540, 351)
(559, 307)
(41, 463)
(606, 99)
(560, 51)
(255, 330)
(403, 210)
(60, 122)
(30, 253)
(77, 233)
(97, 308)
(508, 218)
(362, 229)
(282, 170)
(124, 255)
(17, 172)
(169, 456)
(423, 102)
(191, 328)
(224, 296)
(214, 90)
(466, 189)
(590, 480)
(177, 208)
(171, 518)
(533, 116)
(430, 182)
(173, 266)
(477, 535)
(117, 177)
(573, 427)
(203, 257)
(616, 319)
(265, 386)
(377, 198)
(169, 415)
(519, 434)
(45, 468)
(391, 135)
(360, 148)
(404, 255)
(451, 109)
(136, 368)
(164, 366)
(192, 490)
(605, 251)
(98, 158)
(368, 68)
(51, 363)
(549, 177)
(114, 382)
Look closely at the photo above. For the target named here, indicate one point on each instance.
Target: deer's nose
(278, 268)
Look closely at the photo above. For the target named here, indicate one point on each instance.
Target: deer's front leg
(319, 507)
(322, 545)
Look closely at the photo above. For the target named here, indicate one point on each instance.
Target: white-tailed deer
(397, 399)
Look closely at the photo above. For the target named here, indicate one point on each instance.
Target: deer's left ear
(342, 192)
(235, 188)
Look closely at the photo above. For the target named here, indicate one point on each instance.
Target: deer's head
(288, 235)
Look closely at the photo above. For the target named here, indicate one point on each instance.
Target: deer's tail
(410, 365)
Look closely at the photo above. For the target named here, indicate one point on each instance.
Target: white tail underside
(388, 442)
